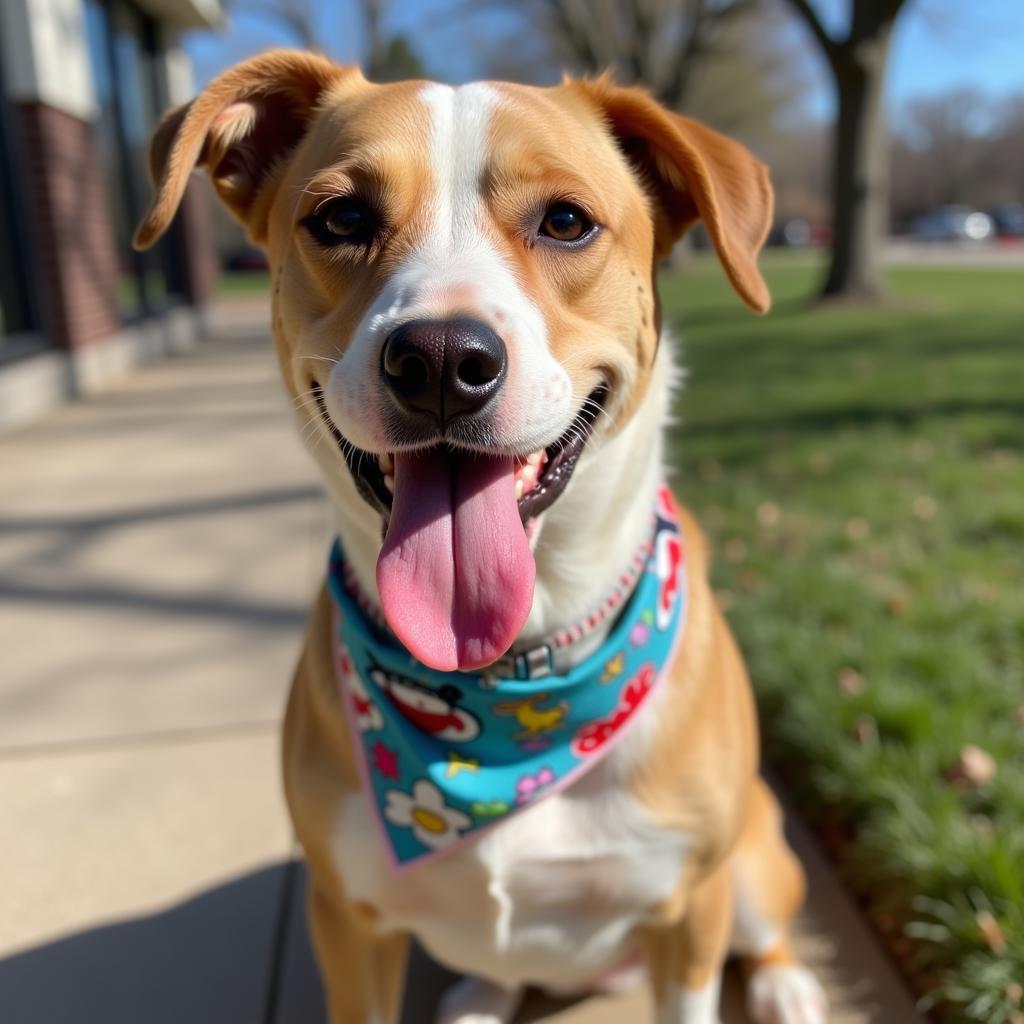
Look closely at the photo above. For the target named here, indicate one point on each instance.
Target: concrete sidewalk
(158, 549)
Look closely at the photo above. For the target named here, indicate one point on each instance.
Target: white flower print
(433, 823)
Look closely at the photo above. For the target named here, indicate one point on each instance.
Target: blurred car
(797, 233)
(1008, 220)
(954, 224)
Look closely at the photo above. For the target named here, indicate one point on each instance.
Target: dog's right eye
(344, 221)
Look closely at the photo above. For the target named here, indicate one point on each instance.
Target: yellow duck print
(613, 668)
(535, 721)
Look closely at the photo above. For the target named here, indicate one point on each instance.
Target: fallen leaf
(897, 604)
(974, 767)
(983, 592)
(865, 730)
(749, 580)
(769, 514)
(714, 516)
(924, 508)
(850, 681)
(857, 528)
(735, 549)
(991, 932)
(1015, 993)
(820, 462)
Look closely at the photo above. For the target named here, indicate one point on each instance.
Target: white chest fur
(548, 896)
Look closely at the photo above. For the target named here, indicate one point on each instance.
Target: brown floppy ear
(239, 129)
(694, 173)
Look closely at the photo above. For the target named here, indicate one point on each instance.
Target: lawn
(241, 284)
(861, 475)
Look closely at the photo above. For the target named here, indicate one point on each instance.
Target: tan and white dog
(474, 267)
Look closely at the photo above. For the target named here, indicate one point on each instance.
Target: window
(15, 309)
(126, 77)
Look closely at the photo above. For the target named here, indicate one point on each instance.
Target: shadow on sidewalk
(208, 960)
(239, 953)
(235, 954)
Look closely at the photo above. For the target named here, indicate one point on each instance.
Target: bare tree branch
(814, 23)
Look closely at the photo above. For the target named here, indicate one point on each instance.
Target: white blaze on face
(458, 268)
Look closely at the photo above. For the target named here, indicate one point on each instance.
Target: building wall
(76, 259)
(74, 157)
(45, 59)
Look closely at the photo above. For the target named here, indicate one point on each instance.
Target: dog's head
(463, 295)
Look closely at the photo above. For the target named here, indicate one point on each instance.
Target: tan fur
(281, 132)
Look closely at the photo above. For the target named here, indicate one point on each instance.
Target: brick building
(83, 83)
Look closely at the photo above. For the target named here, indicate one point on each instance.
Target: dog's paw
(475, 1001)
(786, 995)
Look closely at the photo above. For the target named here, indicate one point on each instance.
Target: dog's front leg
(686, 959)
(363, 972)
(476, 1001)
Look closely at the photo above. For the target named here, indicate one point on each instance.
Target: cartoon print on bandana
(367, 714)
(385, 761)
(613, 668)
(425, 813)
(536, 722)
(460, 763)
(592, 736)
(669, 560)
(445, 755)
(641, 631)
(435, 712)
(530, 786)
(488, 808)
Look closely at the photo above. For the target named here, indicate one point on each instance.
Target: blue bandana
(447, 754)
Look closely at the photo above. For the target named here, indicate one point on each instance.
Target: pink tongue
(456, 573)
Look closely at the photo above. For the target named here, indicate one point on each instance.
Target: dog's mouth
(455, 572)
(540, 476)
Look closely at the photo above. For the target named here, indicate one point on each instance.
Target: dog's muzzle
(439, 370)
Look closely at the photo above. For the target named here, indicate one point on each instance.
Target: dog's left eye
(565, 222)
(343, 221)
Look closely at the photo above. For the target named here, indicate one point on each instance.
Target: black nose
(445, 368)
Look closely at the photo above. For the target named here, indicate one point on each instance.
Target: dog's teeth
(389, 483)
(519, 488)
(535, 458)
(387, 464)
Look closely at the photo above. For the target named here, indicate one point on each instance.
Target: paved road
(1008, 253)
(158, 548)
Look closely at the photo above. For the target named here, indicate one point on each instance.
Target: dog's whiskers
(330, 360)
(592, 405)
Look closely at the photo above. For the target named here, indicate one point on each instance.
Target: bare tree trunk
(860, 185)
(860, 190)
(375, 44)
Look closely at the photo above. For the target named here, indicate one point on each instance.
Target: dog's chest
(552, 894)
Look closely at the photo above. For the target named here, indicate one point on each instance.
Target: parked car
(954, 224)
(1009, 220)
(797, 233)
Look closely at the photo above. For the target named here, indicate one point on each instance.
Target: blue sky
(938, 45)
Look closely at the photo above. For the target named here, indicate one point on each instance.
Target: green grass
(234, 284)
(860, 474)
